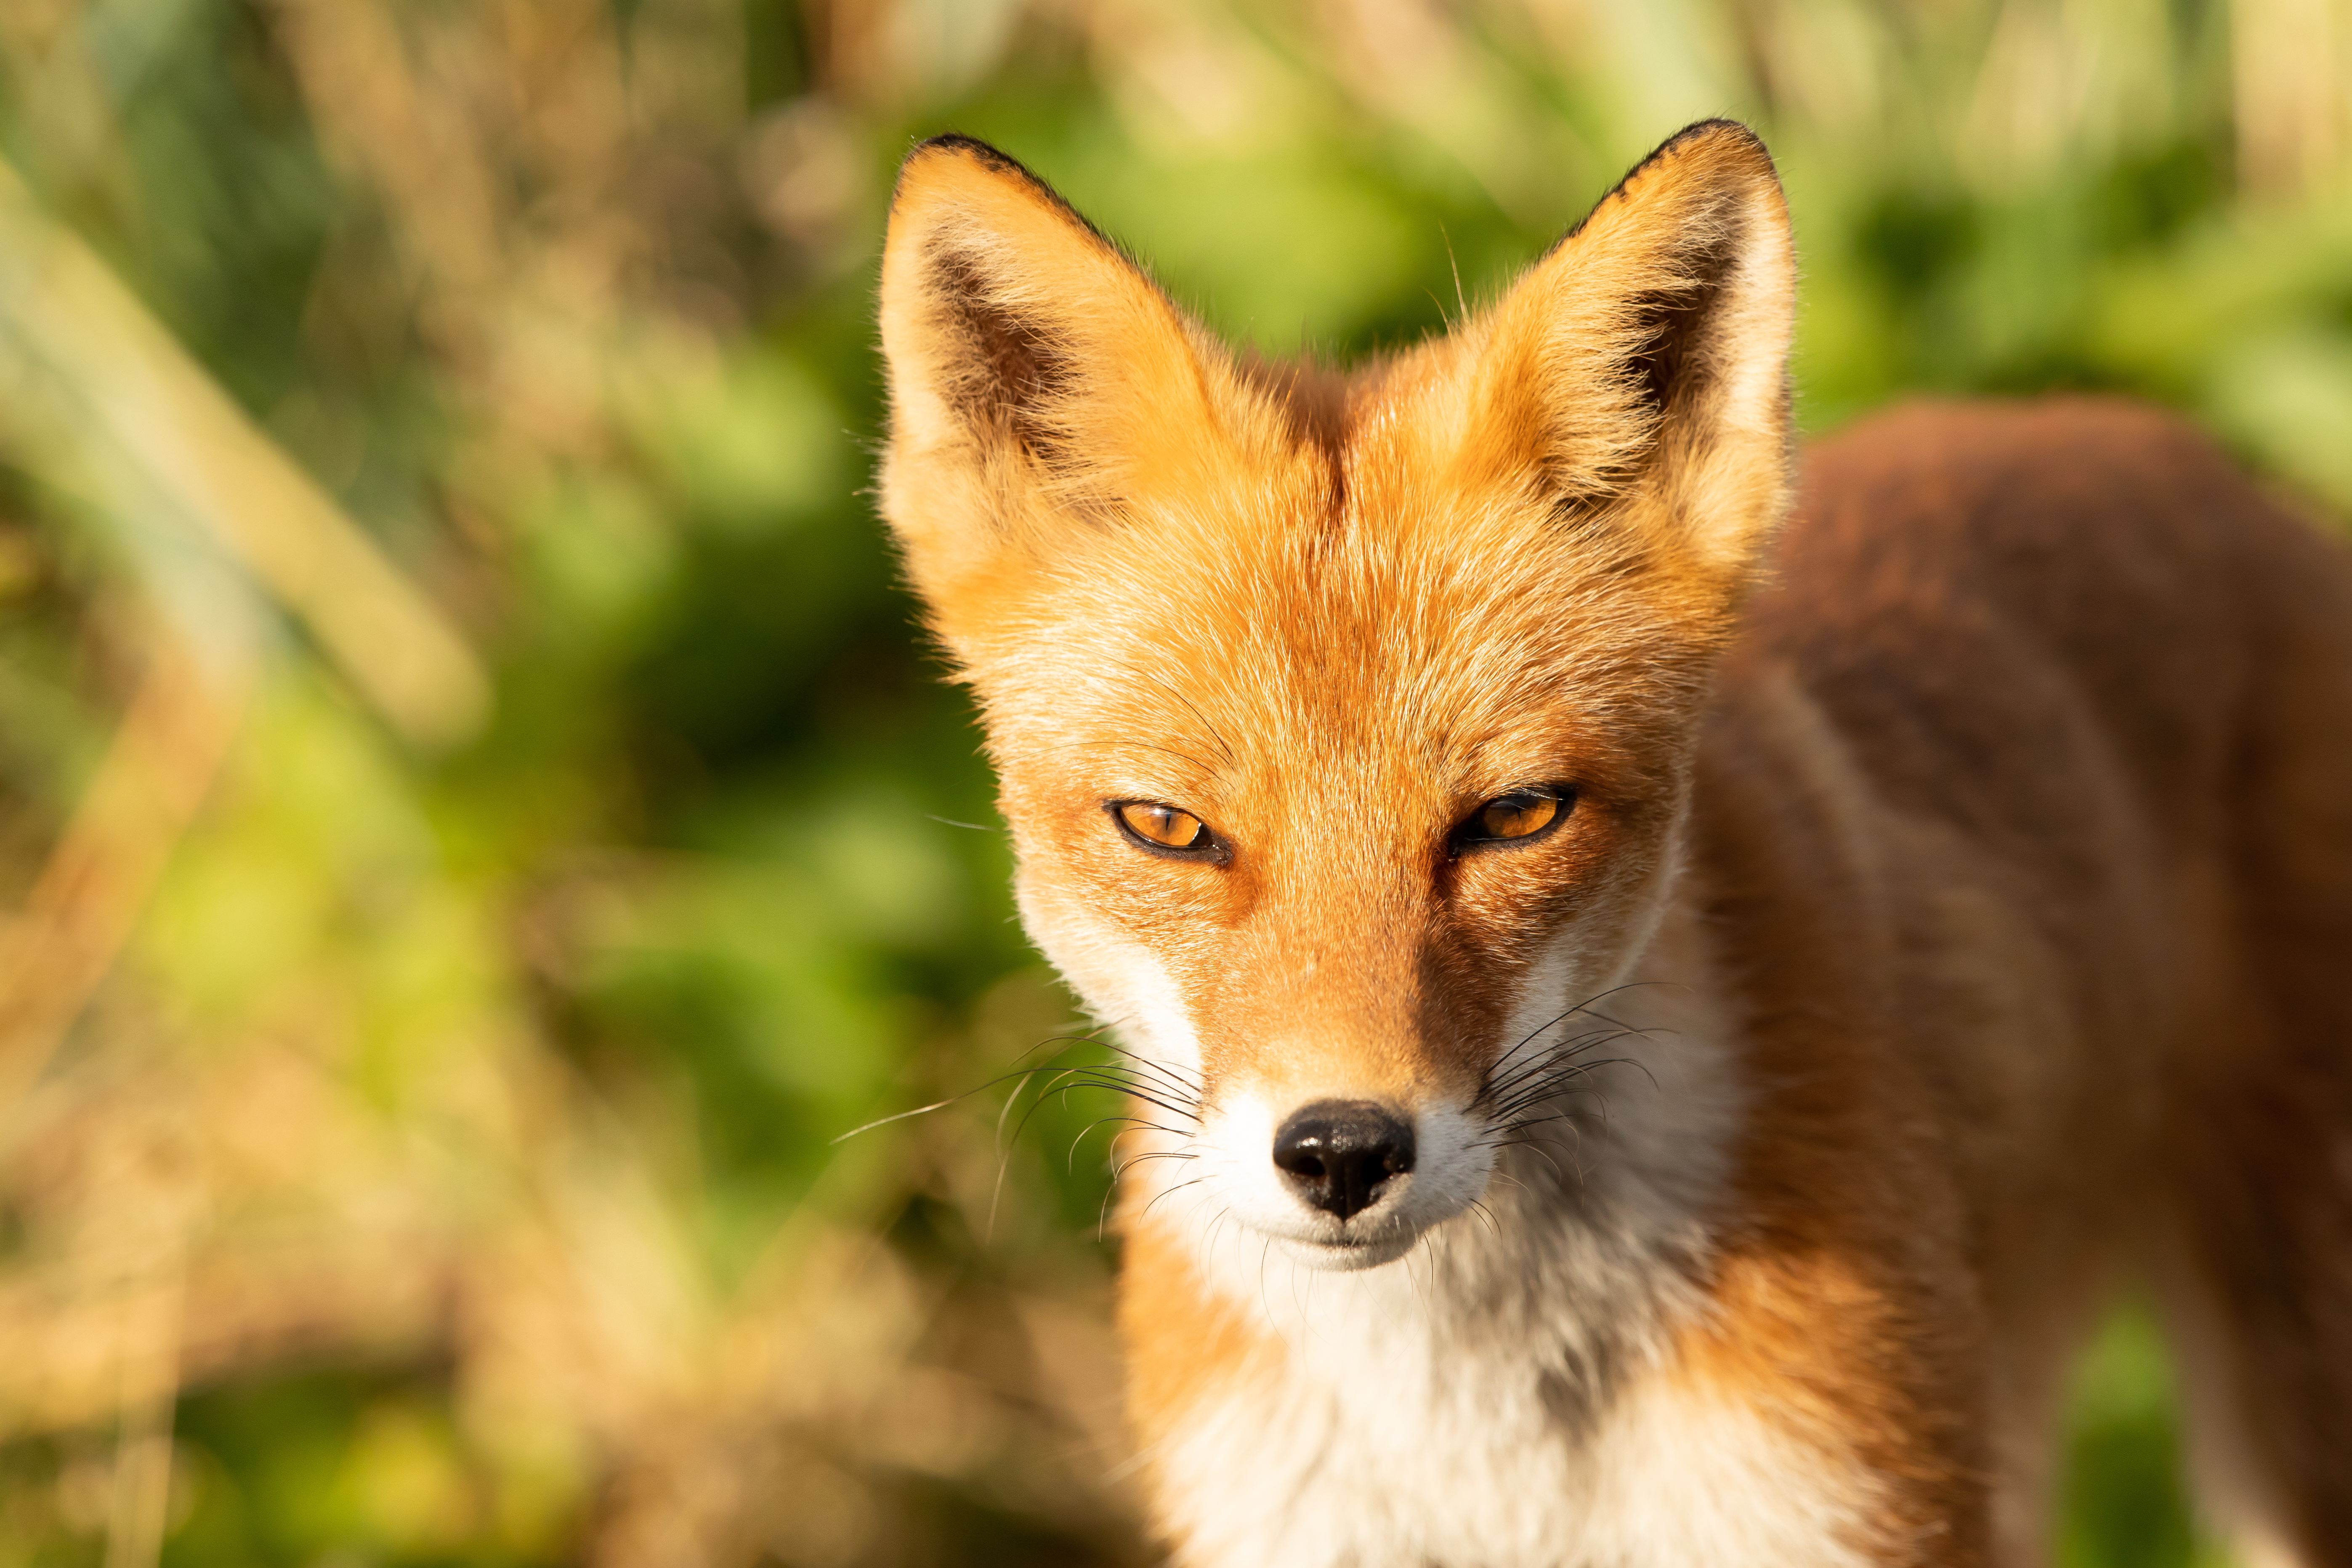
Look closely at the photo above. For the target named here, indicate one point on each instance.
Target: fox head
(1343, 725)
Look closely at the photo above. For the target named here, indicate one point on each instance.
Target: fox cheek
(1125, 986)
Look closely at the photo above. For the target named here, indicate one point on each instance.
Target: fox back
(1656, 1033)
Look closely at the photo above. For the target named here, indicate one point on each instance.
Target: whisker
(1102, 1215)
(1535, 1094)
(1163, 1070)
(1072, 1079)
(1567, 1052)
(1506, 1063)
(1021, 1075)
(1166, 1101)
(1556, 1068)
(1068, 1078)
(1585, 1006)
(1516, 1138)
(1152, 1154)
(1530, 1144)
(1131, 1121)
(1169, 1192)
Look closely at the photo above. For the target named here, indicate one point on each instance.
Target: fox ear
(1641, 365)
(1038, 380)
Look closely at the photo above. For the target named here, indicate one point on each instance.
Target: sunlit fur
(1946, 916)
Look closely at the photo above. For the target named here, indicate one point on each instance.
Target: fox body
(1657, 1030)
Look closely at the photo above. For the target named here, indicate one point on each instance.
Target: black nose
(1337, 1153)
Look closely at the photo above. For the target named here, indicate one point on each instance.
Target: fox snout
(1338, 1180)
(1338, 1155)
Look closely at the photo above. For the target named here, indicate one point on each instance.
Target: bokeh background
(477, 821)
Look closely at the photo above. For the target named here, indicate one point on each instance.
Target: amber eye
(1163, 827)
(1522, 813)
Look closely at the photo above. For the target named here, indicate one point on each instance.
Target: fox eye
(1166, 829)
(1521, 815)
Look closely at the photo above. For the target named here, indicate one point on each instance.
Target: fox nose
(1337, 1153)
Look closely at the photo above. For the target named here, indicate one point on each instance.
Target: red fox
(1660, 1031)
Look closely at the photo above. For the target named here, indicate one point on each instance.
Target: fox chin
(1664, 984)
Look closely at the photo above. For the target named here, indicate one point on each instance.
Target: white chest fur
(1501, 1396)
(1476, 1473)
(1540, 1430)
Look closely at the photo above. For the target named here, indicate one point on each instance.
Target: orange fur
(1943, 914)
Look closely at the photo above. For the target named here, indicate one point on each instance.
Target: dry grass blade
(123, 385)
(99, 876)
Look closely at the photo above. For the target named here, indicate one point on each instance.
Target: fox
(1668, 979)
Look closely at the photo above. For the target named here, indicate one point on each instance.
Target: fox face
(1343, 723)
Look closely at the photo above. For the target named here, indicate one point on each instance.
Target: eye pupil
(1519, 814)
(1163, 824)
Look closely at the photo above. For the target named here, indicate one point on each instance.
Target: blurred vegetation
(476, 817)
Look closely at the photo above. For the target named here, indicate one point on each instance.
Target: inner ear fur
(1641, 367)
(1039, 384)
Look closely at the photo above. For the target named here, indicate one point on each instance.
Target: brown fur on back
(2081, 671)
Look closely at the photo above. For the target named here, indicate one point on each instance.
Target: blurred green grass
(425, 1145)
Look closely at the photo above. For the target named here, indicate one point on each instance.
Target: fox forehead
(1366, 623)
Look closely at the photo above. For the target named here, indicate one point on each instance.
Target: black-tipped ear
(1006, 363)
(1645, 357)
(1037, 378)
